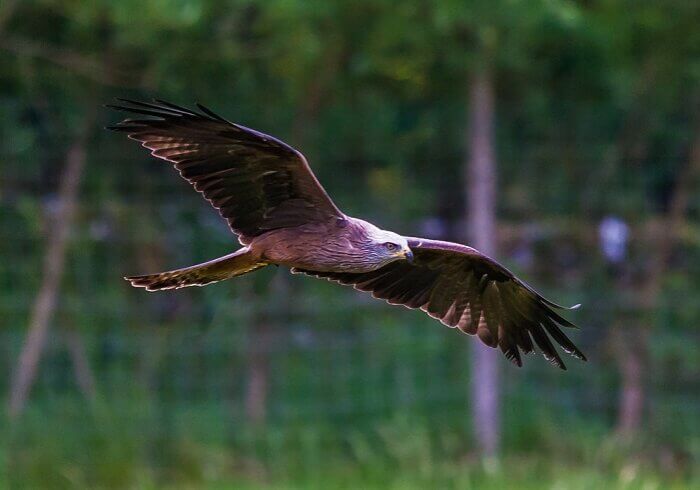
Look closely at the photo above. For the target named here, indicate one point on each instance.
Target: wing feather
(257, 182)
(465, 289)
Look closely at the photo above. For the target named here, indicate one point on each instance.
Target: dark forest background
(560, 136)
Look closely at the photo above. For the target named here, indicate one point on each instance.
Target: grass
(132, 443)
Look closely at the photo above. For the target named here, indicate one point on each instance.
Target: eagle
(281, 214)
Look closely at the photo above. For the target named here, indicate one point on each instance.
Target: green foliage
(130, 442)
(597, 111)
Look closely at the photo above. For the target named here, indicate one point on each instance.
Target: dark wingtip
(210, 113)
(556, 361)
(558, 306)
(176, 108)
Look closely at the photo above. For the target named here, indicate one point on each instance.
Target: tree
(54, 262)
(480, 188)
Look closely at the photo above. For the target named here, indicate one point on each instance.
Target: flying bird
(281, 214)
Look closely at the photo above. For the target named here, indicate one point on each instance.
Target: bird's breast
(317, 248)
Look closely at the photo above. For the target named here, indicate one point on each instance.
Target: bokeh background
(561, 136)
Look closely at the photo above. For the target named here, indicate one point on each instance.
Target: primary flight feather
(271, 199)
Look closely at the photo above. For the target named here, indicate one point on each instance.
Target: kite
(281, 214)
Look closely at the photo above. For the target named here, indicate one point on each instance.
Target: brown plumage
(267, 192)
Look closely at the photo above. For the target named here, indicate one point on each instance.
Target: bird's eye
(391, 246)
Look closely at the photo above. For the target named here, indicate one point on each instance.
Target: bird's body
(349, 245)
(266, 191)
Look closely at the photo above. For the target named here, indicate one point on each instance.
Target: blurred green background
(276, 381)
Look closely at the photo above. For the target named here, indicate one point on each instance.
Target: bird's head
(390, 246)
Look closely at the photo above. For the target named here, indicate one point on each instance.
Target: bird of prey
(271, 199)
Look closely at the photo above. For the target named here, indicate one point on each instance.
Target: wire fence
(288, 351)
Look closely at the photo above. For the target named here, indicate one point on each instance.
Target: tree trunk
(258, 369)
(267, 322)
(632, 394)
(54, 262)
(480, 188)
(81, 364)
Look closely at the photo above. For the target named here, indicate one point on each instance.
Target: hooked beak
(408, 255)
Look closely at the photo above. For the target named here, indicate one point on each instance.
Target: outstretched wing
(465, 289)
(257, 182)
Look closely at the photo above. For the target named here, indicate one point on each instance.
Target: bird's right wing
(464, 288)
(258, 183)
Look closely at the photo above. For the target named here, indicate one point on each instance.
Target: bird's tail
(235, 264)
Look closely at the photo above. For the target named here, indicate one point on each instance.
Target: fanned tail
(240, 262)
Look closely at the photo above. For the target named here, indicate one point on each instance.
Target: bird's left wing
(465, 289)
(257, 182)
